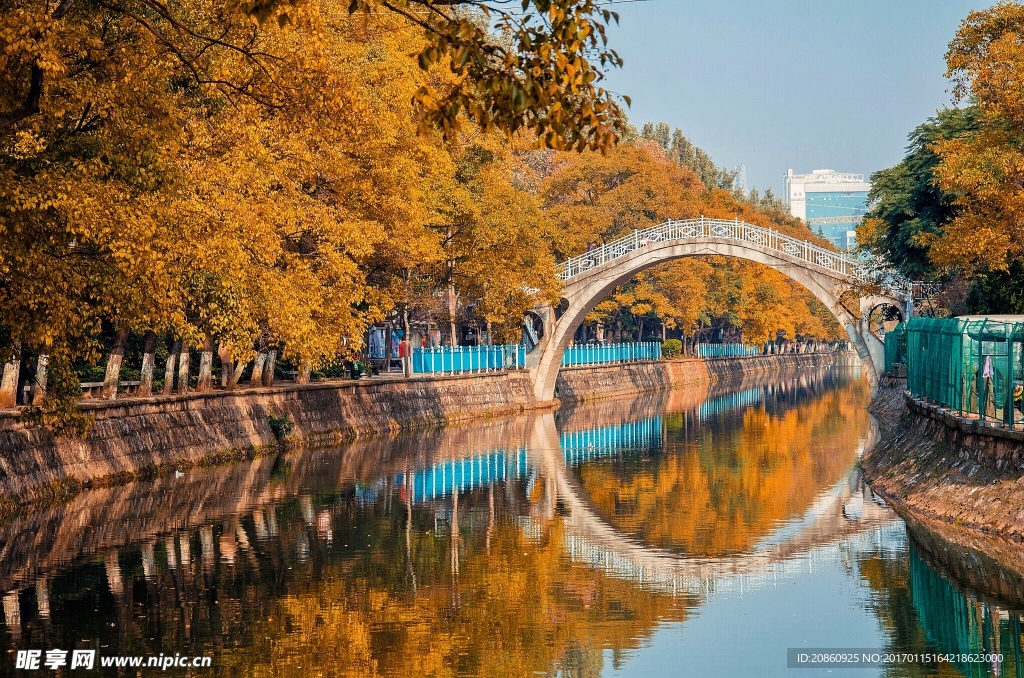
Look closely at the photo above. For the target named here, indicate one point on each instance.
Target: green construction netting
(972, 366)
(895, 346)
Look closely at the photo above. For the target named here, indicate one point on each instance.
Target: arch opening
(587, 288)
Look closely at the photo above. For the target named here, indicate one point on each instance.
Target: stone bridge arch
(827, 274)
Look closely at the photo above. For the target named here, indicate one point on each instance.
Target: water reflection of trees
(921, 611)
(330, 581)
(316, 567)
(726, 476)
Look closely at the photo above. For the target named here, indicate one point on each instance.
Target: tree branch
(35, 88)
(31, 105)
(63, 8)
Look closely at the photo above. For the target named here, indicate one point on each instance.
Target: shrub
(281, 425)
(671, 348)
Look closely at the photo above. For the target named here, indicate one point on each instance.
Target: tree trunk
(452, 310)
(205, 380)
(234, 374)
(226, 365)
(39, 392)
(9, 381)
(268, 369)
(183, 360)
(257, 369)
(148, 360)
(169, 369)
(407, 338)
(304, 373)
(113, 375)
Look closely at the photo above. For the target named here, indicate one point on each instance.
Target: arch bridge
(828, 274)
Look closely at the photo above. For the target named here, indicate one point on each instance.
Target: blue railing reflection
(731, 401)
(442, 478)
(579, 446)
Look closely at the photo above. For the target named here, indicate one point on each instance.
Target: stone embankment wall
(937, 468)
(133, 437)
(136, 435)
(41, 541)
(589, 382)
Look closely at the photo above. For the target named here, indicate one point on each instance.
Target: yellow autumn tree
(265, 174)
(984, 167)
(592, 198)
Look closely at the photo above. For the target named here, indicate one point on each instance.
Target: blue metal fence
(455, 359)
(592, 354)
(726, 350)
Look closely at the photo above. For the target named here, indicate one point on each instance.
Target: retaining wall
(589, 382)
(134, 436)
(987, 443)
(935, 466)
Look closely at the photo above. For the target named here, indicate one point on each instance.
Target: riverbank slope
(954, 489)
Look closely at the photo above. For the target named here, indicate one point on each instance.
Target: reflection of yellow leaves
(515, 611)
(729, 488)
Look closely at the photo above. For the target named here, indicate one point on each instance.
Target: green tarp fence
(896, 346)
(969, 366)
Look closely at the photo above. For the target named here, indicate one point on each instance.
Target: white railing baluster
(863, 270)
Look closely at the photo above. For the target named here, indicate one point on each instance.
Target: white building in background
(831, 203)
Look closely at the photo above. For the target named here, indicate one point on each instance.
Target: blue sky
(788, 83)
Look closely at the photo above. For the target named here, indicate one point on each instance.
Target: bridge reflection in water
(499, 539)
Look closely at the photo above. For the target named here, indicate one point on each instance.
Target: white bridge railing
(839, 264)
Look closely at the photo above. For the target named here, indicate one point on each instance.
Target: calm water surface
(690, 534)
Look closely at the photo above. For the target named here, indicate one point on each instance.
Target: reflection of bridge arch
(827, 274)
(592, 540)
(843, 510)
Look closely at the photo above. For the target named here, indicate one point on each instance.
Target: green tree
(906, 200)
(682, 151)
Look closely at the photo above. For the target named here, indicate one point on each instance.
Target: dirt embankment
(944, 487)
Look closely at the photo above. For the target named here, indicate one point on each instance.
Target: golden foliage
(149, 197)
(984, 167)
(730, 486)
(191, 173)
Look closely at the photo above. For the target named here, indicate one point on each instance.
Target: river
(694, 533)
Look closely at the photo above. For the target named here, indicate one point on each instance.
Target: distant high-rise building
(831, 203)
